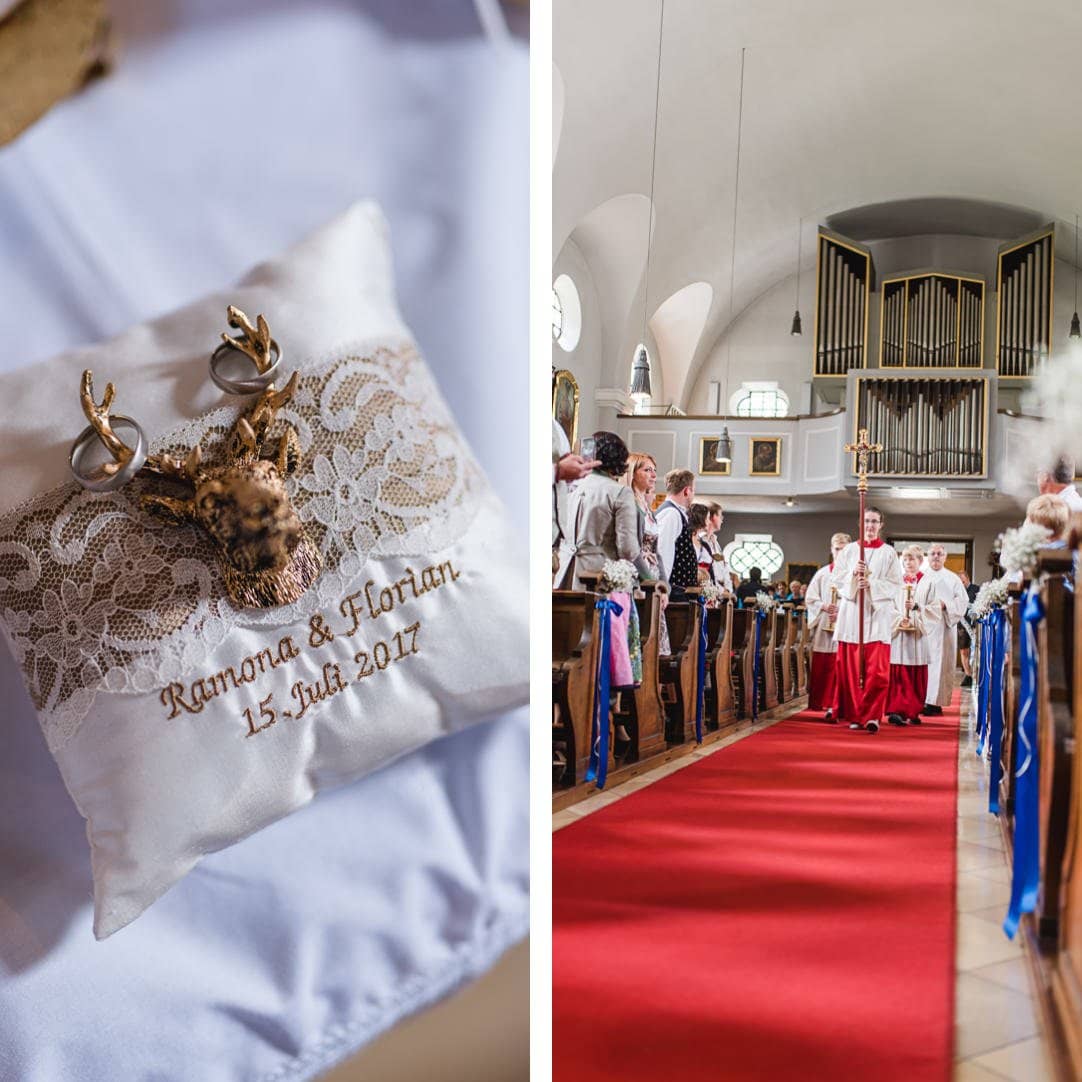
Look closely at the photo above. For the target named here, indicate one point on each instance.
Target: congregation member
(722, 574)
(1059, 481)
(965, 631)
(676, 550)
(750, 587)
(699, 523)
(821, 603)
(566, 467)
(908, 646)
(602, 516)
(1051, 512)
(870, 586)
(942, 632)
(641, 478)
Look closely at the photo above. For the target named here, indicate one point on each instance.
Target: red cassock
(854, 704)
(823, 681)
(908, 688)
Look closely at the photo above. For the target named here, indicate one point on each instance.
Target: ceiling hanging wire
(640, 368)
(797, 328)
(1076, 327)
(725, 444)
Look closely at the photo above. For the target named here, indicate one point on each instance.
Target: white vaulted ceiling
(888, 119)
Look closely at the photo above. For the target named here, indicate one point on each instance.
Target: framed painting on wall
(800, 572)
(765, 460)
(565, 404)
(709, 463)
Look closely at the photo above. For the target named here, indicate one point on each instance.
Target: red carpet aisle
(782, 910)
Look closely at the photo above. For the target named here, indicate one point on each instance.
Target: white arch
(557, 110)
(677, 325)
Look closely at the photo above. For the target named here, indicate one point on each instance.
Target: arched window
(748, 550)
(759, 399)
(566, 314)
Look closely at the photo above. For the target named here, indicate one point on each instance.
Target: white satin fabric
(227, 132)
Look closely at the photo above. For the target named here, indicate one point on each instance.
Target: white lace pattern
(96, 594)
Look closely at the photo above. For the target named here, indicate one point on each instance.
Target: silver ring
(257, 383)
(108, 482)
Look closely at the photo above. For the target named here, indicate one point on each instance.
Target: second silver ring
(253, 385)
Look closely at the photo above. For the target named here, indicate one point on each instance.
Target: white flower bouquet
(764, 601)
(618, 577)
(1018, 548)
(989, 596)
(711, 591)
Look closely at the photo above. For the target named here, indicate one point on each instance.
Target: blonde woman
(641, 477)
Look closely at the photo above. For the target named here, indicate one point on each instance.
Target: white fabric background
(227, 132)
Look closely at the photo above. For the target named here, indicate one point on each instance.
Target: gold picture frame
(764, 456)
(709, 466)
(565, 404)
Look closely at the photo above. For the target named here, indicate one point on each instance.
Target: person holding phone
(602, 515)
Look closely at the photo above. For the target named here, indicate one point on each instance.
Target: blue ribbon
(760, 616)
(599, 742)
(702, 672)
(984, 681)
(1001, 631)
(1026, 877)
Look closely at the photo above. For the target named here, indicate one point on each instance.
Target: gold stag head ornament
(265, 555)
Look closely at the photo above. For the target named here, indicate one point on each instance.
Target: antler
(254, 341)
(98, 416)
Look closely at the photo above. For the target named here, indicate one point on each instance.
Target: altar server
(943, 631)
(822, 608)
(916, 609)
(872, 585)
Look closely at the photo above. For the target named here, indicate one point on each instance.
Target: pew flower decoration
(765, 602)
(1018, 548)
(991, 595)
(618, 577)
(712, 592)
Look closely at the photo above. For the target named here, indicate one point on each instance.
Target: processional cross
(862, 448)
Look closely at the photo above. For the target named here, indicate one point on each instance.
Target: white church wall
(584, 361)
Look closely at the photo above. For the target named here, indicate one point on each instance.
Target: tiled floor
(997, 1030)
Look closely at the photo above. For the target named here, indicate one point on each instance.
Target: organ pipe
(930, 427)
(843, 281)
(1024, 305)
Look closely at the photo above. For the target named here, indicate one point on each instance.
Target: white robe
(911, 647)
(884, 578)
(816, 596)
(943, 633)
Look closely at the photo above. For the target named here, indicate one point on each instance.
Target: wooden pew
(740, 660)
(724, 710)
(1010, 713)
(574, 668)
(1064, 961)
(648, 725)
(787, 655)
(769, 671)
(800, 675)
(679, 670)
(1055, 733)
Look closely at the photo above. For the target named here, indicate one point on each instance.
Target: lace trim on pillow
(96, 594)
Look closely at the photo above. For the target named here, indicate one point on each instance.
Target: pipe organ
(931, 427)
(843, 281)
(932, 321)
(1024, 305)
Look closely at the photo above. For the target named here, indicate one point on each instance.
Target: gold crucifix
(862, 448)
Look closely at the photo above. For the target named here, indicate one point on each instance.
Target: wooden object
(49, 49)
(574, 670)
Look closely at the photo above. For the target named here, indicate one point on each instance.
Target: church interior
(783, 235)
